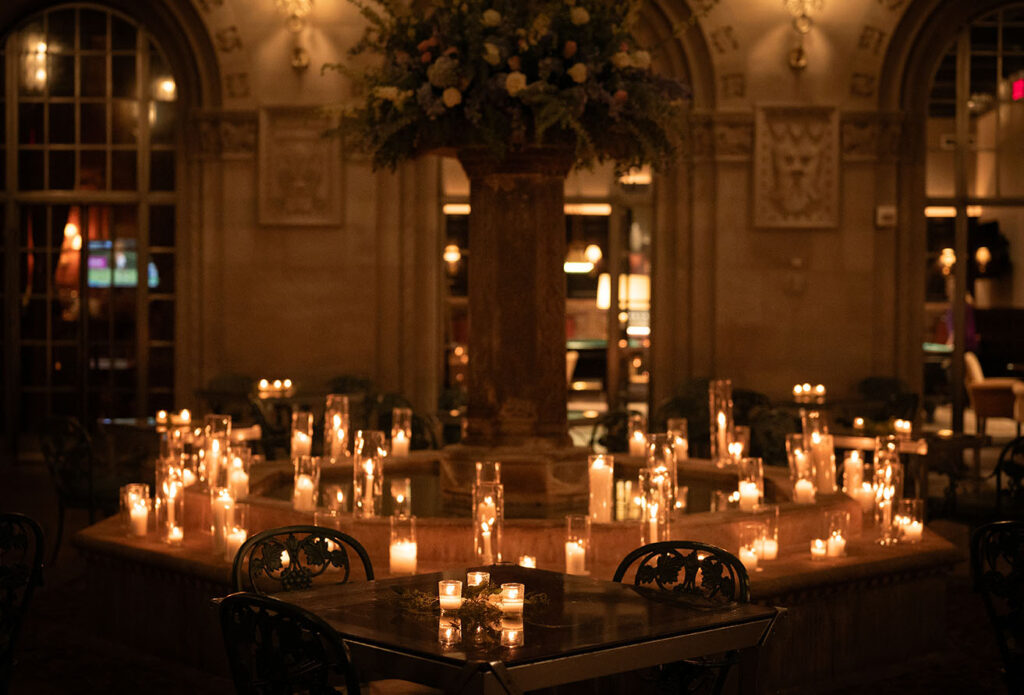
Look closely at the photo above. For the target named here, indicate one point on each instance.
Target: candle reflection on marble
(449, 631)
(512, 633)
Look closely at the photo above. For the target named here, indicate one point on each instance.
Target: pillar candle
(600, 491)
(238, 480)
(818, 548)
(865, 494)
(403, 557)
(223, 516)
(399, 444)
(485, 539)
(803, 492)
(638, 444)
(235, 537)
(722, 435)
(368, 506)
(575, 558)
(767, 548)
(748, 557)
(836, 546)
(304, 496)
(139, 518)
(750, 495)
(853, 470)
(527, 561)
(175, 535)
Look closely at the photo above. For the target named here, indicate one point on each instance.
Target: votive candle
(575, 557)
(403, 557)
(819, 549)
(304, 496)
(527, 561)
(477, 578)
(140, 517)
(803, 492)
(449, 592)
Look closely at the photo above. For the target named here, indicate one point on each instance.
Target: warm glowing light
(164, 89)
(593, 253)
(452, 254)
(636, 177)
(950, 211)
(947, 259)
(585, 209)
(455, 208)
(983, 256)
(577, 267)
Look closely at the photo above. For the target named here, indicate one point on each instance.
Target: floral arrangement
(507, 74)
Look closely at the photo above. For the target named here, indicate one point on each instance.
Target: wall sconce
(296, 12)
(802, 23)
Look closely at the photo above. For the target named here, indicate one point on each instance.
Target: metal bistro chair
(997, 567)
(293, 557)
(21, 571)
(1011, 467)
(276, 647)
(700, 573)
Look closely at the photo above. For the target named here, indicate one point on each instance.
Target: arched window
(89, 138)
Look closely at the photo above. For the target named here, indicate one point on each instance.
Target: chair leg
(60, 533)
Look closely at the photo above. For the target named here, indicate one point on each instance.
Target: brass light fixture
(296, 11)
(802, 23)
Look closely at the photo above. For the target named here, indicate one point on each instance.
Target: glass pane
(984, 74)
(62, 124)
(126, 223)
(67, 402)
(161, 272)
(32, 75)
(163, 122)
(161, 367)
(32, 273)
(92, 30)
(93, 80)
(30, 170)
(61, 75)
(1013, 38)
(981, 174)
(94, 123)
(61, 31)
(123, 170)
(123, 77)
(33, 320)
(124, 302)
(161, 171)
(33, 364)
(124, 366)
(60, 232)
(161, 225)
(984, 38)
(92, 175)
(1013, 66)
(62, 170)
(125, 124)
(939, 173)
(161, 320)
(33, 227)
(33, 410)
(65, 366)
(122, 34)
(30, 124)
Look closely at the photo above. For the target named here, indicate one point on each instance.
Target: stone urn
(517, 387)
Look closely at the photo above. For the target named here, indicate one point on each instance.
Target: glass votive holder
(804, 489)
(222, 512)
(636, 431)
(302, 433)
(217, 425)
(305, 490)
(488, 472)
(336, 498)
(368, 473)
(677, 429)
(401, 497)
(449, 594)
(741, 436)
(725, 501)
(512, 634)
(751, 483)
(886, 445)
(601, 477)
(751, 537)
(130, 496)
(449, 631)
(478, 578)
(838, 533)
(910, 520)
(236, 533)
(171, 505)
(853, 471)
(819, 548)
(336, 428)
(488, 515)
(577, 543)
(401, 431)
(403, 545)
(682, 498)
(654, 526)
(768, 547)
(512, 597)
(528, 561)
(238, 470)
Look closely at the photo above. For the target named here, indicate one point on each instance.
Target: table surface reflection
(623, 626)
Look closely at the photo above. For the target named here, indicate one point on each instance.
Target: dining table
(573, 628)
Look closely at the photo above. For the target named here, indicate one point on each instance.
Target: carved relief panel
(796, 167)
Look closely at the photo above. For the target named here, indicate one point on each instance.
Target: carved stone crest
(796, 165)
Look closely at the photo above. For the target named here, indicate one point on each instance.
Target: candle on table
(477, 578)
(818, 548)
(575, 557)
(527, 561)
(653, 536)
(238, 481)
(185, 416)
(302, 443)
(750, 495)
(449, 593)
(803, 492)
(853, 470)
(337, 437)
(188, 477)
(223, 517)
(858, 423)
(911, 529)
(403, 557)
(836, 546)
(767, 548)
(368, 506)
(600, 490)
(638, 444)
(139, 517)
(865, 494)
(235, 537)
(485, 538)
(176, 535)
(304, 496)
(748, 557)
(399, 444)
(512, 595)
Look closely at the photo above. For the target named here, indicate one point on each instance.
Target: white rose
(622, 60)
(579, 15)
(491, 54)
(491, 18)
(642, 60)
(578, 73)
(451, 97)
(515, 83)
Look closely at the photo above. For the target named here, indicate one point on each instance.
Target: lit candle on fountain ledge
(263, 387)
(403, 546)
(638, 444)
(238, 479)
(902, 428)
(478, 578)
(302, 444)
(766, 548)
(449, 592)
(853, 471)
(223, 508)
(399, 444)
(750, 495)
(858, 424)
(175, 535)
(188, 477)
(401, 431)
(803, 491)
(819, 549)
(235, 537)
(836, 545)
(140, 517)
(748, 556)
(575, 557)
(735, 452)
(527, 561)
(798, 393)
(819, 393)
(182, 418)
(865, 494)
